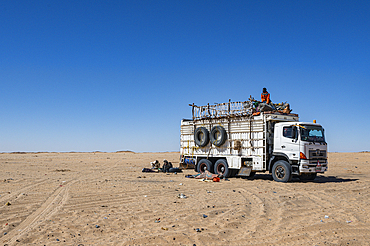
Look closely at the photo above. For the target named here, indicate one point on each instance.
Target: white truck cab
(303, 143)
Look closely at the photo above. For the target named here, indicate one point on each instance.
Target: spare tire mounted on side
(201, 136)
(218, 135)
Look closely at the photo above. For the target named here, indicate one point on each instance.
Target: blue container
(189, 161)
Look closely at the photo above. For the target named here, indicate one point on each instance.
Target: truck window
(288, 131)
(312, 133)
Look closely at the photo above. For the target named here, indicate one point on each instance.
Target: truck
(232, 139)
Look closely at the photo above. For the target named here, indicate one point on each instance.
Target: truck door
(289, 142)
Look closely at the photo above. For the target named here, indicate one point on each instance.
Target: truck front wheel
(281, 171)
(221, 168)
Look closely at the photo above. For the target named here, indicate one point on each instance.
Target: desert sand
(105, 199)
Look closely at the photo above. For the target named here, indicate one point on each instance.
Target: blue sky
(119, 75)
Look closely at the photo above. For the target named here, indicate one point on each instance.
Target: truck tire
(204, 165)
(281, 171)
(218, 135)
(308, 176)
(201, 136)
(175, 170)
(221, 168)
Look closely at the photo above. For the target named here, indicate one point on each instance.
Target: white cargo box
(245, 138)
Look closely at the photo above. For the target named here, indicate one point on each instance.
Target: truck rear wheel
(201, 136)
(281, 171)
(221, 168)
(204, 165)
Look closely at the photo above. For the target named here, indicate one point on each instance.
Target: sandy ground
(105, 199)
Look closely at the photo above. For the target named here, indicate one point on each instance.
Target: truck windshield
(312, 133)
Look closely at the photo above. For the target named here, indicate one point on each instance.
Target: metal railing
(230, 109)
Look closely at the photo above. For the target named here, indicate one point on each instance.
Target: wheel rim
(200, 136)
(221, 169)
(203, 167)
(280, 172)
(218, 135)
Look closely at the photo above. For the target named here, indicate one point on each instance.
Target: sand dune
(104, 199)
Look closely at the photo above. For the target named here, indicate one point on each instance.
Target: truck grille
(316, 156)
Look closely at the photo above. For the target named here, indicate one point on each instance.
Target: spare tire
(175, 170)
(218, 135)
(201, 136)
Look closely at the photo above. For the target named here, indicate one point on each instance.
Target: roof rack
(221, 110)
(232, 109)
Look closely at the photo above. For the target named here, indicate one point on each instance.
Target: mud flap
(245, 171)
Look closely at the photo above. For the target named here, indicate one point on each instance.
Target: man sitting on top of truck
(266, 104)
(265, 96)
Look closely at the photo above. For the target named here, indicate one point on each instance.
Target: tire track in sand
(46, 210)
(17, 193)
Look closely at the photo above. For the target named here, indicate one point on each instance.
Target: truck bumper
(307, 167)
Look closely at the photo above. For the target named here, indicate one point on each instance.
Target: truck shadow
(330, 179)
(318, 179)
